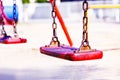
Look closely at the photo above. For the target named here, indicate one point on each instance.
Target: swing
(67, 52)
(9, 20)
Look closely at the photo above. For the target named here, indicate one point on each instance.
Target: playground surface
(25, 62)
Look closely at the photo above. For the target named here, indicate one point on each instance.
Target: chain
(14, 17)
(55, 41)
(2, 19)
(85, 42)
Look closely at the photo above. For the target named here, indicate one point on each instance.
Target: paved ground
(25, 62)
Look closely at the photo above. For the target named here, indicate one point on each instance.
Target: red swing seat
(67, 52)
(15, 40)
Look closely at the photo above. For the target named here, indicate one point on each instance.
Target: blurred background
(71, 10)
(24, 61)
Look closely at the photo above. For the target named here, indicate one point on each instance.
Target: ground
(25, 62)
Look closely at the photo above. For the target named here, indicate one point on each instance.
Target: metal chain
(14, 17)
(85, 42)
(55, 40)
(2, 19)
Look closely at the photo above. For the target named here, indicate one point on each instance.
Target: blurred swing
(67, 52)
(9, 16)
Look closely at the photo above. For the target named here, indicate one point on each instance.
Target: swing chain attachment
(85, 43)
(3, 32)
(55, 41)
(14, 18)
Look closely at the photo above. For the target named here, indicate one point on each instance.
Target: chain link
(14, 17)
(85, 42)
(55, 40)
(3, 32)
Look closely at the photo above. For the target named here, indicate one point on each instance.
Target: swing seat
(67, 52)
(15, 40)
